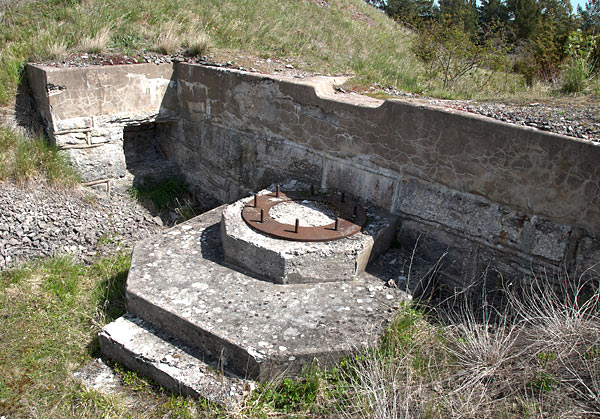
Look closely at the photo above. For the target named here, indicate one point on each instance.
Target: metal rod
(277, 191)
(297, 225)
(337, 223)
(95, 182)
(262, 215)
(255, 201)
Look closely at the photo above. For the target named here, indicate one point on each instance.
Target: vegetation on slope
(346, 36)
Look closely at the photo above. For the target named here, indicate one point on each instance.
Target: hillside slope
(337, 36)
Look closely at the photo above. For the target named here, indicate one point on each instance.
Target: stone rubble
(37, 221)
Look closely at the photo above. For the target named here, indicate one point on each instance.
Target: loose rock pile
(36, 222)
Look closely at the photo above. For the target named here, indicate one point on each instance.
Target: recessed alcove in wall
(144, 159)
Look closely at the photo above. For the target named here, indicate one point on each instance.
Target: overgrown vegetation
(51, 311)
(542, 40)
(24, 159)
(171, 200)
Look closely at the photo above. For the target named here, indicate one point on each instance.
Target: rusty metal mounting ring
(351, 216)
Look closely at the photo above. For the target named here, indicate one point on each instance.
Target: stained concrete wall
(493, 195)
(85, 111)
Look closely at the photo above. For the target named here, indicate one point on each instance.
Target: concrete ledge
(133, 343)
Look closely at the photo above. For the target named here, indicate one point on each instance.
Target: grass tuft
(197, 44)
(26, 159)
(97, 43)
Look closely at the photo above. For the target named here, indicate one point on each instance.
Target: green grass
(346, 37)
(25, 159)
(162, 195)
(169, 196)
(51, 311)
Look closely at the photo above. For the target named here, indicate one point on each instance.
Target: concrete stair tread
(136, 345)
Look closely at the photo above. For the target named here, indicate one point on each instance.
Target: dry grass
(197, 43)
(97, 43)
(537, 356)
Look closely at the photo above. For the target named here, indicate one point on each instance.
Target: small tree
(449, 53)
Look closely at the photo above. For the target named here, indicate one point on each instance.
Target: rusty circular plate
(351, 217)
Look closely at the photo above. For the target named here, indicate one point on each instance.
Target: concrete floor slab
(179, 282)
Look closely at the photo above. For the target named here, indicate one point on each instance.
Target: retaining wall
(86, 109)
(492, 195)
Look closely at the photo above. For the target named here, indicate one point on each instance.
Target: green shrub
(449, 53)
(578, 68)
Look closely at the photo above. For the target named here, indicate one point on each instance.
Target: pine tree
(590, 16)
(492, 11)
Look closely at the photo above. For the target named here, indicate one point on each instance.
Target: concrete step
(135, 344)
(180, 283)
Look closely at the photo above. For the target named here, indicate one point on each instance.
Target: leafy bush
(579, 66)
(449, 53)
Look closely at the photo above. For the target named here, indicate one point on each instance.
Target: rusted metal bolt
(337, 223)
(255, 200)
(277, 190)
(262, 215)
(297, 225)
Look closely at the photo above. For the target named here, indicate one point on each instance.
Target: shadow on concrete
(25, 114)
(212, 250)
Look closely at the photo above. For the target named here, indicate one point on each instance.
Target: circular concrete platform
(285, 261)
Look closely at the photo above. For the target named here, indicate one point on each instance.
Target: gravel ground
(37, 222)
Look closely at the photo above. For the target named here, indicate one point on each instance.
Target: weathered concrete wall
(492, 195)
(86, 109)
